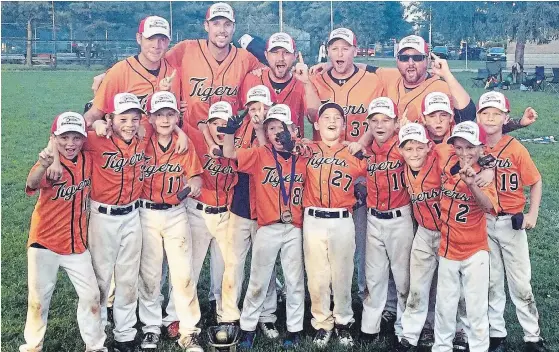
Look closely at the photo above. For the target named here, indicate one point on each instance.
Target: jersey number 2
(336, 180)
(461, 215)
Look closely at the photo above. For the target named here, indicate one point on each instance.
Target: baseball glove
(233, 123)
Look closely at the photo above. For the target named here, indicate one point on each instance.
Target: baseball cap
(414, 42)
(160, 100)
(412, 132)
(220, 110)
(343, 33)
(436, 101)
(281, 40)
(280, 112)
(220, 9)
(383, 105)
(68, 122)
(469, 131)
(153, 25)
(330, 105)
(125, 101)
(259, 93)
(493, 100)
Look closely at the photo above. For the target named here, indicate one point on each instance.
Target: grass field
(30, 100)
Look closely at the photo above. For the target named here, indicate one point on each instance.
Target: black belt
(120, 210)
(157, 206)
(503, 214)
(328, 214)
(385, 216)
(211, 210)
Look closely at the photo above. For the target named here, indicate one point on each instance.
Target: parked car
(496, 54)
(441, 51)
(474, 53)
(365, 52)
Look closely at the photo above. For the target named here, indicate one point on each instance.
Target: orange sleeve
(247, 160)
(529, 174)
(491, 192)
(109, 88)
(191, 163)
(43, 184)
(253, 62)
(176, 53)
(148, 127)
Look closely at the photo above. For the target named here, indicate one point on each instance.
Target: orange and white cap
(259, 93)
(412, 132)
(220, 9)
(413, 42)
(436, 101)
(281, 40)
(343, 33)
(470, 131)
(68, 122)
(493, 100)
(280, 112)
(383, 105)
(220, 110)
(160, 100)
(153, 25)
(123, 102)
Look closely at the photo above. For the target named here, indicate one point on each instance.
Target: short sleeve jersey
(331, 175)
(260, 164)
(59, 220)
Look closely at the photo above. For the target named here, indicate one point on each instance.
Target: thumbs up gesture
(301, 70)
(166, 83)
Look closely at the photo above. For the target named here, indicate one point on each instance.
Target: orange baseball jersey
(260, 164)
(463, 229)
(205, 81)
(219, 175)
(59, 221)
(410, 100)
(117, 169)
(515, 169)
(293, 95)
(165, 172)
(354, 96)
(130, 76)
(331, 175)
(386, 187)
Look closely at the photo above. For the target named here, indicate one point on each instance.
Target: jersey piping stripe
(121, 174)
(133, 172)
(164, 178)
(82, 199)
(227, 68)
(133, 69)
(329, 178)
(416, 203)
(416, 96)
(347, 99)
(388, 176)
(496, 177)
(375, 177)
(211, 70)
(428, 207)
(320, 174)
(449, 209)
(72, 234)
(155, 164)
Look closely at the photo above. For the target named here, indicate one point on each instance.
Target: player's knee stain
(414, 300)
(35, 307)
(95, 309)
(256, 292)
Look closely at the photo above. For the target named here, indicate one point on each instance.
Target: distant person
(322, 53)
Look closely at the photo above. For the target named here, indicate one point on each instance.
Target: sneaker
(191, 343)
(269, 330)
(460, 342)
(535, 346)
(127, 346)
(387, 322)
(403, 346)
(344, 335)
(173, 330)
(426, 339)
(497, 344)
(321, 338)
(292, 340)
(150, 341)
(247, 339)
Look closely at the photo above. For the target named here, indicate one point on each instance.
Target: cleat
(191, 343)
(173, 331)
(344, 335)
(269, 330)
(150, 341)
(321, 338)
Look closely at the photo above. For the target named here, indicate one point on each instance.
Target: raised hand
(530, 116)
(404, 119)
(468, 175)
(233, 124)
(439, 66)
(167, 82)
(301, 70)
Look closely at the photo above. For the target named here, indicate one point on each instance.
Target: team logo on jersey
(67, 193)
(317, 162)
(150, 170)
(215, 168)
(383, 166)
(455, 195)
(205, 93)
(426, 195)
(117, 164)
(273, 178)
(504, 164)
(350, 109)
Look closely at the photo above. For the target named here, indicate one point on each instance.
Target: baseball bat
(184, 193)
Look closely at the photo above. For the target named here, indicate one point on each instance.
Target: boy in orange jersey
(278, 178)
(165, 225)
(328, 229)
(463, 251)
(508, 241)
(62, 241)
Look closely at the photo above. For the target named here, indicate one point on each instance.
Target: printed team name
(215, 168)
(118, 164)
(316, 162)
(385, 165)
(205, 93)
(355, 109)
(504, 164)
(67, 193)
(272, 177)
(426, 195)
(456, 195)
(150, 170)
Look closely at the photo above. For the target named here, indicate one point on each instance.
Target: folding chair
(554, 83)
(495, 69)
(539, 79)
(479, 81)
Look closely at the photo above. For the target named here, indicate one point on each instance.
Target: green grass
(30, 100)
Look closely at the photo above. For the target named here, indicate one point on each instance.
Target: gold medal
(286, 217)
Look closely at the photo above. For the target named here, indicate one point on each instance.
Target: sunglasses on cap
(415, 58)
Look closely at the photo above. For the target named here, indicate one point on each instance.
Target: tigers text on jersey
(205, 81)
(260, 164)
(331, 175)
(59, 221)
(386, 189)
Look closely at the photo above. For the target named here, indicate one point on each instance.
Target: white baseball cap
(413, 42)
(383, 105)
(436, 101)
(280, 112)
(412, 132)
(220, 9)
(220, 110)
(259, 93)
(281, 40)
(125, 101)
(153, 25)
(68, 122)
(469, 131)
(160, 100)
(493, 100)
(343, 33)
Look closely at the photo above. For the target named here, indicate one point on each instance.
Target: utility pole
(331, 16)
(281, 15)
(171, 16)
(430, 26)
(53, 38)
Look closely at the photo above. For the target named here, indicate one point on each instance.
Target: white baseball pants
(269, 240)
(329, 248)
(389, 243)
(42, 266)
(167, 229)
(472, 275)
(115, 243)
(240, 235)
(509, 254)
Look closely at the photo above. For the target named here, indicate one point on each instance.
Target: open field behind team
(30, 100)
